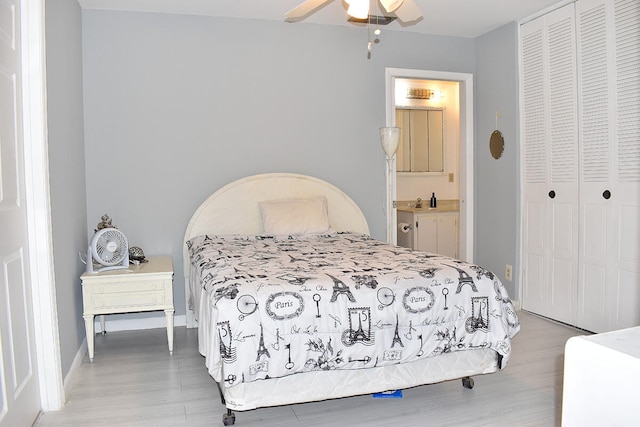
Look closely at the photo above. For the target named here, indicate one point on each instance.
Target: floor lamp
(389, 138)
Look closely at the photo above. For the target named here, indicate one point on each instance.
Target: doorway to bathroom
(412, 93)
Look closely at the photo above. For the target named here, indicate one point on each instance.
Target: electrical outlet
(450, 177)
(508, 273)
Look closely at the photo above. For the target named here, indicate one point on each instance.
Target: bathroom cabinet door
(438, 233)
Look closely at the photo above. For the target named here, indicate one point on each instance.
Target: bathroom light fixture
(418, 93)
(390, 138)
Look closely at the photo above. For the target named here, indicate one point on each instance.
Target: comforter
(277, 306)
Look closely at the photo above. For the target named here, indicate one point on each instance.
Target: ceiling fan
(406, 10)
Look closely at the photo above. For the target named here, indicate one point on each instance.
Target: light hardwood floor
(133, 381)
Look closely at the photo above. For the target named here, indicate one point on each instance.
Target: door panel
(18, 333)
(534, 278)
(448, 235)
(427, 233)
(627, 295)
(626, 277)
(561, 298)
(593, 297)
(534, 269)
(19, 386)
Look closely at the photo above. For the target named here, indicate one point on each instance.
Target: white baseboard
(69, 379)
(516, 304)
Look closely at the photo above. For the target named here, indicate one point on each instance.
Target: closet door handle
(552, 194)
(606, 194)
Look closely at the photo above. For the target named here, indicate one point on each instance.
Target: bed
(295, 302)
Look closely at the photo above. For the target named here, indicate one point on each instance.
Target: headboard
(233, 209)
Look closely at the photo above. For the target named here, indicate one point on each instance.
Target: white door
(19, 388)
(626, 299)
(550, 186)
(609, 54)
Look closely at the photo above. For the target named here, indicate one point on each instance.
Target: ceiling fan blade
(408, 12)
(305, 9)
(391, 5)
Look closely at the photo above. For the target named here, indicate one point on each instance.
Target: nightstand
(144, 287)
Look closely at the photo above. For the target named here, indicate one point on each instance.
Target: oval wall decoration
(418, 299)
(284, 305)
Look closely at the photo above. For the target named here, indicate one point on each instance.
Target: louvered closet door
(608, 34)
(626, 302)
(550, 178)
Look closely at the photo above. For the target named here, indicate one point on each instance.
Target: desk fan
(108, 247)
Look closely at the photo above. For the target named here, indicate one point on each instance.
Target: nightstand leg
(103, 325)
(88, 325)
(169, 315)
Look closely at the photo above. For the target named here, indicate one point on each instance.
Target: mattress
(279, 306)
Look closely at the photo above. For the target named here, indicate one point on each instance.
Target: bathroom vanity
(430, 229)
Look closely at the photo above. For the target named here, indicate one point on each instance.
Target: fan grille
(110, 247)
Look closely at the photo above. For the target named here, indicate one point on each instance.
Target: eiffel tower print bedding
(277, 306)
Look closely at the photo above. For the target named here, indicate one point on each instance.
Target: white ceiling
(463, 18)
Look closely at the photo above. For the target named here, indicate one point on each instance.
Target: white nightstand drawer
(129, 300)
(137, 286)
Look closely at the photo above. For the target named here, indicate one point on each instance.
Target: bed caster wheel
(467, 382)
(229, 418)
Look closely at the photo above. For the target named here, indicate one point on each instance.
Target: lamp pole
(389, 138)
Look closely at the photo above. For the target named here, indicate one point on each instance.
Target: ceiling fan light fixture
(391, 5)
(358, 8)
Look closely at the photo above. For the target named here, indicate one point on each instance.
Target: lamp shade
(358, 8)
(389, 138)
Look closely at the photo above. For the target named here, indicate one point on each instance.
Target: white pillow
(295, 216)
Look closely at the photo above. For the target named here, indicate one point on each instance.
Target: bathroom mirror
(496, 144)
(421, 147)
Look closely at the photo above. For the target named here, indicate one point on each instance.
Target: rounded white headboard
(233, 209)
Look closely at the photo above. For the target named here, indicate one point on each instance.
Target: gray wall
(497, 188)
(63, 20)
(177, 106)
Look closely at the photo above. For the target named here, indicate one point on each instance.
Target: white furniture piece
(601, 375)
(581, 164)
(233, 209)
(432, 230)
(144, 287)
